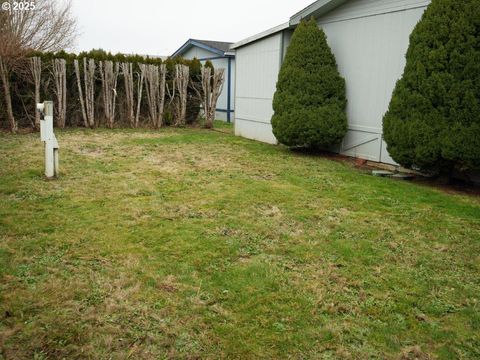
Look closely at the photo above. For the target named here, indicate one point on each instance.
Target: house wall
(369, 39)
(218, 63)
(199, 53)
(257, 70)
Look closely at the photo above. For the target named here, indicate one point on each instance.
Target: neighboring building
(222, 57)
(162, 57)
(369, 39)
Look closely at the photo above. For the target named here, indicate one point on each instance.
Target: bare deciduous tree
(127, 71)
(211, 88)
(161, 93)
(89, 75)
(109, 75)
(60, 77)
(141, 76)
(86, 95)
(36, 77)
(155, 87)
(151, 83)
(50, 27)
(179, 93)
(140, 81)
(5, 77)
(80, 93)
(182, 74)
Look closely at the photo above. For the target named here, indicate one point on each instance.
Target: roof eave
(191, 42)
(182, 48)
(261, 35)
(316, 10)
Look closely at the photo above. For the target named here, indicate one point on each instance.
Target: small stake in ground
(48, 137)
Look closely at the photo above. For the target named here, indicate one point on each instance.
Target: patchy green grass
(197, 244)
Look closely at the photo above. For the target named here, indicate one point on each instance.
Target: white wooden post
(48, 137)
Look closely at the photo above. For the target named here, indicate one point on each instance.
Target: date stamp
(12, 6)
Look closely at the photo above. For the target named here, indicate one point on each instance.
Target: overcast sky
(159, 27)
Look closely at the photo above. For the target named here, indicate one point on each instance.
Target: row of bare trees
(159, 93)
(51, 28)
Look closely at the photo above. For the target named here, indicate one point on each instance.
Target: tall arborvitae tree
(310, 100)
(433, 122)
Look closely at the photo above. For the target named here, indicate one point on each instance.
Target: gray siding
(195, 52)
(363, 8)
(370, 52)
(369, 39)
(257, 69)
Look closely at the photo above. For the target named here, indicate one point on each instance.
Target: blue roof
(220, 48)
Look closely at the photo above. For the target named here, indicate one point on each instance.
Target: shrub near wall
(310, 100)
(433, 122)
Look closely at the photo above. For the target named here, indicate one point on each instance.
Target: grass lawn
(189, 243)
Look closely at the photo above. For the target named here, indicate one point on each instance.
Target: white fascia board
(316, 9)
(261, 35)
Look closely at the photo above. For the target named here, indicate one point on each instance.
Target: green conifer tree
(309, 103)
(433, 121)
